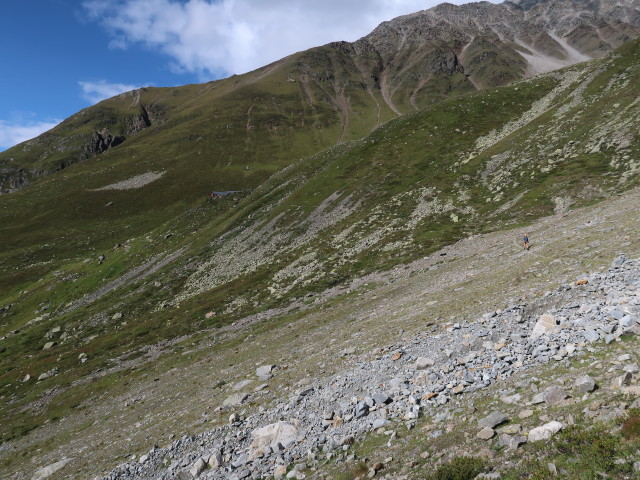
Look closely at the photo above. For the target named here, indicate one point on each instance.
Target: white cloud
(216, 37)
(14, 133)
(95, 92)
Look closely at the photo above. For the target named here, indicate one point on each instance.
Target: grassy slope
(417, 158)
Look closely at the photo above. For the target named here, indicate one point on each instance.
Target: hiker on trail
(526, 241)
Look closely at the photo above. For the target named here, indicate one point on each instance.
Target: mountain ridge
(403, 65)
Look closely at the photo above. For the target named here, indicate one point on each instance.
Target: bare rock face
(522, 37)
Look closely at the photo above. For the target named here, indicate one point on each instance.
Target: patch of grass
(582, 452)
(631, 426)
(460, 468)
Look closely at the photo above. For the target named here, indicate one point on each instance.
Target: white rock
(283, 433)
(423, 363)
(545, 324)
(215, 460)
(240, 385)
(264, 370)
(545, 431)
(198, 468)
(235, 399)
(44, 472)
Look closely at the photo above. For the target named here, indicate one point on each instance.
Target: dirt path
(461, 57)
(342, 103)
(412, 99)
(386, 95)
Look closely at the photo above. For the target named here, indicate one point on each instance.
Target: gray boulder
(493, 420)
(585, 384)
(554, 395)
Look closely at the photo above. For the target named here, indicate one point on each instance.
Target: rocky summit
(318, 269)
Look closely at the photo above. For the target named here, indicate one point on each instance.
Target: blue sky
(60, 56)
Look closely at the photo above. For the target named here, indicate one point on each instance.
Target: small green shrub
(460, 468)
(595, 446)
(631, 425)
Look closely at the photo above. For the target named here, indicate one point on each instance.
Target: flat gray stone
(486, 433)
(381, 398)
(492, 420)
(554, 395)
(423, 363)
(264, 370)
(235, 399)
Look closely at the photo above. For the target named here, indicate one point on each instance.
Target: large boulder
(585, 384)
(283, 433)
(554, 395)
(546, 324)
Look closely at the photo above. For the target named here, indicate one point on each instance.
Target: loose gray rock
(545, 325)
(545, 431)
(591, 336)
(235, 399)
(486, 433)
(623, 380)
(240, 385)
(423, 363)
(554, 395)
(627, 322)
(493, 420)
(264, 370)
(585, 384)
(381, 398)
(198, 468)
(273, 435)
(215, 460)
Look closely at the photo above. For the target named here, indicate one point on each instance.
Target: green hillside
(320, 202)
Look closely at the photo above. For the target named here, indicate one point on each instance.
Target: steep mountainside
(330, 94)
(132, 305)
